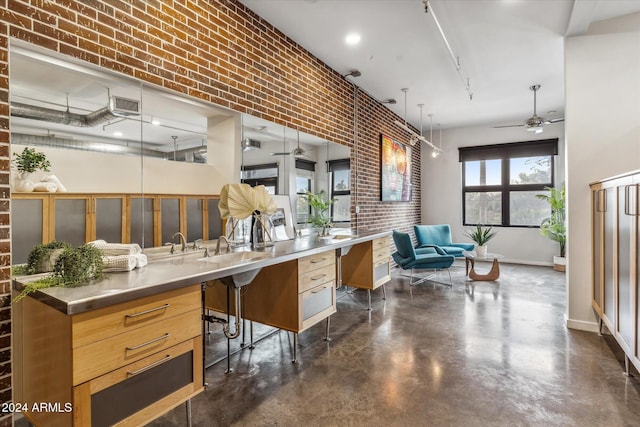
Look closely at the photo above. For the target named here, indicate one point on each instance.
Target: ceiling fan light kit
(534, 123)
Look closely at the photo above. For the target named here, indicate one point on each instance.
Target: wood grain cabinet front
(293, 295)
(367, 265)
(124, 364)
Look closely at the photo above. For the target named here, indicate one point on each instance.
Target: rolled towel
(45, 187)
(119, 263)
(141, 260)
(54, 179)
(112, 249)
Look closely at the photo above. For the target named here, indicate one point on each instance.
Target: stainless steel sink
(235, 258)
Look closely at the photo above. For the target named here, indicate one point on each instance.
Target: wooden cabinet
(293, 295)
(126, 218)
(124, 364)
(615, 254)
(367, 265)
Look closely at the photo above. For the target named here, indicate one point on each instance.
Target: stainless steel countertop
(181, 270)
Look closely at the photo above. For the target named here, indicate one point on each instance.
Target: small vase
(264, 233)
(238, 231)
(481, 251)
(23, 183)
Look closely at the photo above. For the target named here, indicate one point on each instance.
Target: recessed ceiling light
(155, 122)
(352, 39)
(118, 134)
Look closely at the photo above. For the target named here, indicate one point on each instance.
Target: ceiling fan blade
(508, 126)
(284, 153)
(556, 120)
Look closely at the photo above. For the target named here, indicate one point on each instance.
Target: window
(500, 182)
(305, 171)
(266, 175)
(340, 176)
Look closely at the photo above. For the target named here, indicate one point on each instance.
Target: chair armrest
(400, 260)
(437, 249)
(465, 246)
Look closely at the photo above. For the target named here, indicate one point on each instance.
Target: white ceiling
(503, 46)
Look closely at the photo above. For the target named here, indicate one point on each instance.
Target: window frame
(504, 153)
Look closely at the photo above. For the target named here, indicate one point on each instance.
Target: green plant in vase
(319, 208)
(555, 227)
(481, 236)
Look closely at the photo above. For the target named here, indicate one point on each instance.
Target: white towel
(45, 187)
(119, 262)
(141, 260)
(54, 179)
(112, 249)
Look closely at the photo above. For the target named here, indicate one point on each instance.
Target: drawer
(104, 356)
(136, 393)
(317, 304)
(96, 325)
(316, 277)
(382, 242)
(380, 254)
(314, 262)
(381, 273)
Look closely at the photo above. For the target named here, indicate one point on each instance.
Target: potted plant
(319, 206)
(555, 227)
(481, 236)
(28, 162)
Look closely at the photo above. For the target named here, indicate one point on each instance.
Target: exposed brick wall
(217, 51)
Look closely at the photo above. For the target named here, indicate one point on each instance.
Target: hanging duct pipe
(118, 107)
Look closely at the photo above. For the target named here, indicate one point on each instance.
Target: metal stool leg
(326, 337)
(188, 405)
(295, 348)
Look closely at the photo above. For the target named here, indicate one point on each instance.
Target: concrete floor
(477, 354)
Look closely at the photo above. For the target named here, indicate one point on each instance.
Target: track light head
(353, 73)
(389, 101)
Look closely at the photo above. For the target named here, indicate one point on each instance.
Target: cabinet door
(170, 224)
(194, 219)
(609, 307)
(71, 220)
(598, 204)
(108, 219)
(27, 222)
(625, 320)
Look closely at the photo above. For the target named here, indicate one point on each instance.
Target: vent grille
(124, 106)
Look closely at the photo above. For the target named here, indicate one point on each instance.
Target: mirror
(108, 136)
(288, 162)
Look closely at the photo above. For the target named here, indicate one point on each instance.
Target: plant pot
(23, 183)
(48, 260)
(559, 263)
(481, 251)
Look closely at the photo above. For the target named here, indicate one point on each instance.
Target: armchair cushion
(440, 235)
(428, 258)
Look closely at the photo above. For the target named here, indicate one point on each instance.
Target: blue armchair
(440, 235)
(409, 258)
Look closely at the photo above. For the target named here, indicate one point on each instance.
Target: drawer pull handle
(319, 290)
(318, 277)
(151, 366)
(315, 261)
(135, 347)
(151, 310)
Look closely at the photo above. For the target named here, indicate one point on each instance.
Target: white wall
(602, 83)
(442, 195)
(100, 172)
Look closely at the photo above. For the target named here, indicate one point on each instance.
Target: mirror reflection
(294, 163)
(136, 164)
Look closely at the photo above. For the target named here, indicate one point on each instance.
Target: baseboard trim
(581, 325)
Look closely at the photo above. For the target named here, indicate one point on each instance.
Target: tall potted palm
(555, 227)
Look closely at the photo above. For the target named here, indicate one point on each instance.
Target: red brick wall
(217, 51)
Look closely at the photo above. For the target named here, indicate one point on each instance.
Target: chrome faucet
(183, 241)
(217, 252)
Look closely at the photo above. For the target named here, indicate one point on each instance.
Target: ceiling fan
(296, 152)
(534, 123)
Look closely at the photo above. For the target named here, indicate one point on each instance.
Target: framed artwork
(395, 170)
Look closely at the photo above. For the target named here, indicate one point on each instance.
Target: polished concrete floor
(478, 354)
